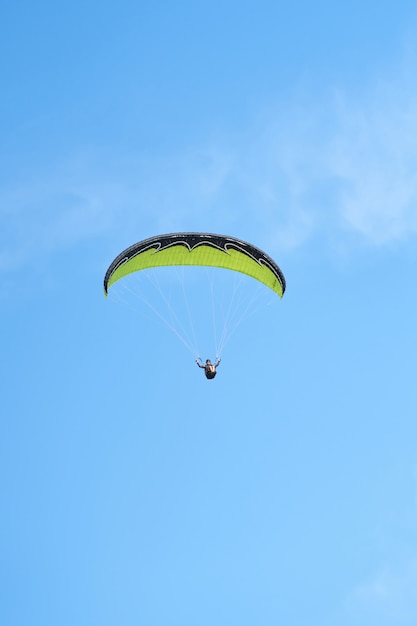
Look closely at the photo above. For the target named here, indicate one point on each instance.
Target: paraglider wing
(203, 249)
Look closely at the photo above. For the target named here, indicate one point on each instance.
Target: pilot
(209, 367)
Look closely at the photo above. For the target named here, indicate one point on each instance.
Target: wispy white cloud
(337, 165)
(389, 599)
(375, 157)
(40, 217)
(340, 165)
(389, 596)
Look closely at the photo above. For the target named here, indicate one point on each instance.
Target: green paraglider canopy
(200, 249)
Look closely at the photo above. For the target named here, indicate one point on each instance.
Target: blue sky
(133, 491)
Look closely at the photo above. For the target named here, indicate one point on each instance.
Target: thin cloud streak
(338, 167)
(376, 158)
(388, 599)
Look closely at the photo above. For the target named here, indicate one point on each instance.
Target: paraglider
(202, 250)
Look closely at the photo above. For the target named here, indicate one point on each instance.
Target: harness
(210, 371)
